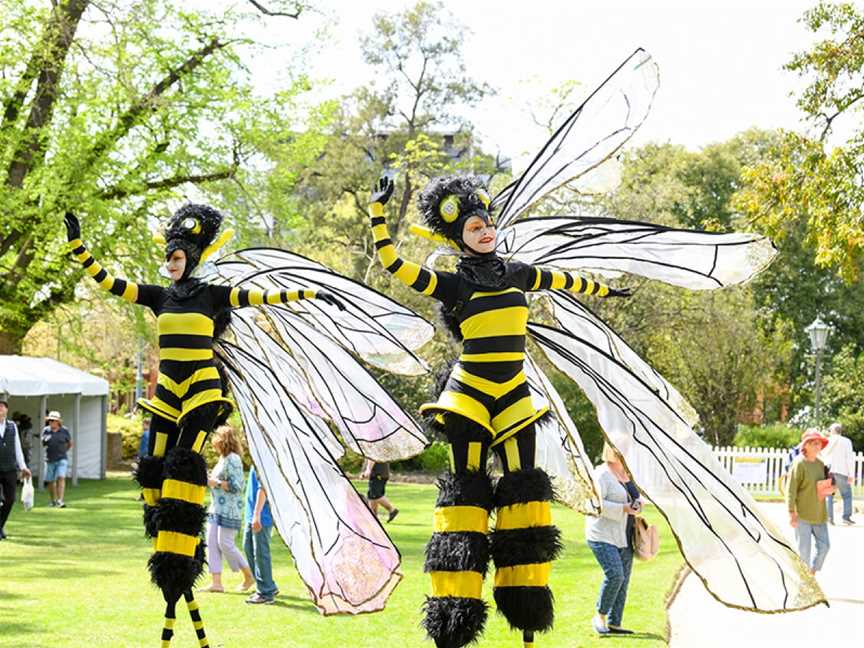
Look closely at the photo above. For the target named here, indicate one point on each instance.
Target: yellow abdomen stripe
(461, 518)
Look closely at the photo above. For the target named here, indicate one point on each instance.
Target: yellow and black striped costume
(189, 400)
(188, 377)
(486, 404)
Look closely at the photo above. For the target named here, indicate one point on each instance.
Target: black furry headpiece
(191, 229)
(447, 202)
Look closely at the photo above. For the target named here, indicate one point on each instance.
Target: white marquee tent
(38, 385)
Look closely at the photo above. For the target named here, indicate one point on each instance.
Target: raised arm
(546, 279)
(412, 274)
(240, 297)
(131, 292)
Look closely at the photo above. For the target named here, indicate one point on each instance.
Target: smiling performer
(485, 404)
(190, 400)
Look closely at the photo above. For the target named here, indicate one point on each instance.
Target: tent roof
(26, 376)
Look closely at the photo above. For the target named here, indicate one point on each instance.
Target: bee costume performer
(485, 404)
(496, 396)
(276, 375)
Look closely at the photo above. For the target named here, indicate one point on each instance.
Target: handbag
(646, 539)
(825, 487)
(27, 494)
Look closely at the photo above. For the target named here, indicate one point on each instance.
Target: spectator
(807, 514)
(58, 442)
(11, 461)
(226, 512)
(840, 459)
(256, 541)
(378, 474)
(144, 446)
(610, 537)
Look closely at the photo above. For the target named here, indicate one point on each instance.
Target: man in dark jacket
(11, 461)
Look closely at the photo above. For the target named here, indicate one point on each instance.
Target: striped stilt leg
(524, 542)
(178, 559)
(168, 628)
(457, 554)
(195, 615)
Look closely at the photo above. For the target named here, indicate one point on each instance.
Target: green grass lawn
(76, 577)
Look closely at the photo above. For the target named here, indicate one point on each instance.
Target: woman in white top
(610, 537)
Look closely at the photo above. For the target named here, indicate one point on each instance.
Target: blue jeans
(842, 482)
(616, 563)
(820, 533)
(257, 547)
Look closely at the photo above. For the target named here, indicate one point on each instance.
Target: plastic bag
(27, 494)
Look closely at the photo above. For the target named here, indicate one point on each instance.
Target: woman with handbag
(610, 537)
(807, 487)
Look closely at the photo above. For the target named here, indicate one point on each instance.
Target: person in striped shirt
(485, 404)
(190, 399)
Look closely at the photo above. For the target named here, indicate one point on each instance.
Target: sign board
(750, 470)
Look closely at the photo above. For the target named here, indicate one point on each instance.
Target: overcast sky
(720, 62)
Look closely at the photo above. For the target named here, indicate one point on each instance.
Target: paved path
(696, 619)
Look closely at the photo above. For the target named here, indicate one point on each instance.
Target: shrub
(775, 435)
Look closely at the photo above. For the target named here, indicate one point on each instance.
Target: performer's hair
(610, 453)
(225, 441)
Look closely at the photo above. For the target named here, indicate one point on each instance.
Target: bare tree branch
(267, 12)
(113, 193)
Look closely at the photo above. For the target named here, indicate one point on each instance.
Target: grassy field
(76, 577)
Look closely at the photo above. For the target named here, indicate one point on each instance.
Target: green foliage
(776, 435)
(804, 181)
(113, 110)
(130, 428)
(843, 393)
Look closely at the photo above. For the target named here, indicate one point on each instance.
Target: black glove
(330, 298)
(73, 227)
(382, 190)
(622, 292)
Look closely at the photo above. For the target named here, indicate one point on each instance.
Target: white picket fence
(765, 465)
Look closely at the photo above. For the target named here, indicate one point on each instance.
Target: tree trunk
(10, 342)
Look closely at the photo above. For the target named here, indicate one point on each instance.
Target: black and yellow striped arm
(411, 274)
(125, 289)
(545, 279)
(240, 297)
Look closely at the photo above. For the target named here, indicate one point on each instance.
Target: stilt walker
(485, 404)
(189, 400)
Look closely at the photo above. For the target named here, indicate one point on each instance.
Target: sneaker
(258, 599)
(599, 625)
(848, 521)
(53, 503)
(61, 504)
(393, 515)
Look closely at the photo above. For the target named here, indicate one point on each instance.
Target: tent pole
(40, 451)
(103, 436)
(77, 420)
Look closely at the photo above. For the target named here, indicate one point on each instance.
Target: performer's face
(3, 410)
(479, 235)
(176, 264)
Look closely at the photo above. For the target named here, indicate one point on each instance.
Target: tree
(409, 119)
(805, 180)
(112, 109)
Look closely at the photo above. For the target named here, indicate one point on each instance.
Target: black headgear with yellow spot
(447, 202)
(191, 229)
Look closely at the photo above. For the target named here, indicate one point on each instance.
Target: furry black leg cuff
(526, 608)
(454, 622)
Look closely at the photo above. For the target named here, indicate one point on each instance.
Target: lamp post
(818, 332)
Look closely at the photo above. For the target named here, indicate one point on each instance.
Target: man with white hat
(57, 442)
(11, 461)
(840, 458)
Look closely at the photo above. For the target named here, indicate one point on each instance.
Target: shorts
(377, 486)
(56, 469)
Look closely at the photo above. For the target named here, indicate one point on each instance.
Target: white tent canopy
(37, 385)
